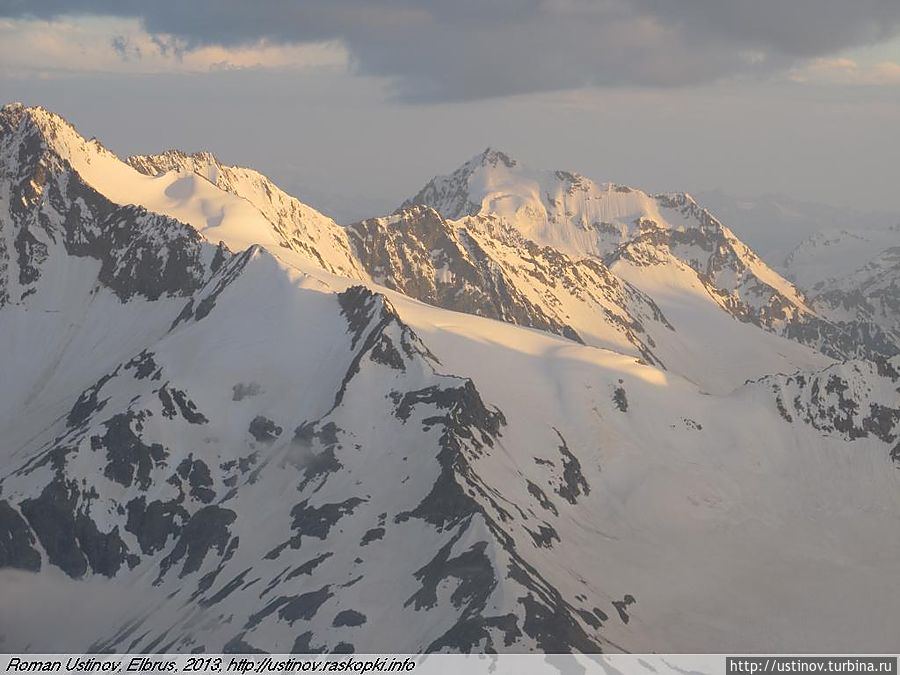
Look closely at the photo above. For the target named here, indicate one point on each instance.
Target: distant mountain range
(774, 224)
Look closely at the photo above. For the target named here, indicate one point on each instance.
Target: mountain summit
(665, 246)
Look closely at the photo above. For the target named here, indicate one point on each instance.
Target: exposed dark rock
(542, 498)
(310, 521)
(358, 304)
(52, 518)
(88, 403)
(544, 537)
(555, 629)
(590, 619)
(186, 407)
(466, 420)
(302, 645)
(348, 617)
(574, 482)
(471, 568)
(200, 480)
(264, 430)
(155, 523)
(308, 566)
(143, 365)
(828, 403)
(414, 254)
(621, 606)
(128, 458)
(620, 399)
(206, 529)
(16, 541)
(227, 589)
(315, 463)
(369, 316)
(304, 606)
(224, 276)
(237, 645)
(105, 551)
(473, 634)
(372, 535)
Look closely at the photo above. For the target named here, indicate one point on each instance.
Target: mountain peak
(15, 107)
(43, 130)
(202, 162)
(492, 157)
(16, 113)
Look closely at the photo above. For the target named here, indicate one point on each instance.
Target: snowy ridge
(482, 266)
(853, 400)
(629, 228)
(560, 209)
(853, 279)
(185, 197)
(52, 212)
(870, 296)
(298, 226)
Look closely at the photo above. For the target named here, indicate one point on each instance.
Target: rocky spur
(73, 664)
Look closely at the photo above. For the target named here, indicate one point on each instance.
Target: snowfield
(526, 412)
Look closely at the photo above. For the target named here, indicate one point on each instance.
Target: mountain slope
(853, 278)
(628, 228)
(693, 267)
(868, 296)
(481, 266)
(148, 476)
(237, 449)
(298, 227)
(68, 255)
(156, 476)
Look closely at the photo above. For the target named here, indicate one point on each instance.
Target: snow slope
(298, 227)
(482, 266)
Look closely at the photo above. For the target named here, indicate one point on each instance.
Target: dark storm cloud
(797, 28)
(471, 49)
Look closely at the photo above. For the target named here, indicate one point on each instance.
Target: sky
(352, 105)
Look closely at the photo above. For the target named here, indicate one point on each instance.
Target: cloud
(121, 45)
(36, 611)
(845, 71)
(474, 49)
(54, 47)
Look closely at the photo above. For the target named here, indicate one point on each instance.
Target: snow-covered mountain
(667, 246)
(481, 265)
(834, 254)
(870, 293)
(853, 278)
(244, 427)
(297, 226)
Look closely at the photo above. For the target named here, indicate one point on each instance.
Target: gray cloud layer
(472, 49)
